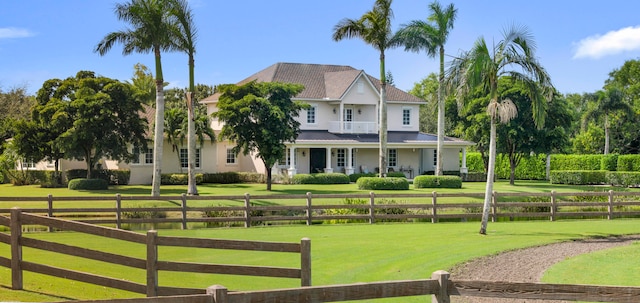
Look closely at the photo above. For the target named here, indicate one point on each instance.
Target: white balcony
(353, 127)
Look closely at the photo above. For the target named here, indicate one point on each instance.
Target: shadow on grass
(48, 295)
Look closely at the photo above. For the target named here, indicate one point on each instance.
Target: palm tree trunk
(191, 146)
(383, 118)
(488, 193)
(158, 136)
(440, 146)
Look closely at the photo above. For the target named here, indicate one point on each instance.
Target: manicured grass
(340, 254)
(615, 266)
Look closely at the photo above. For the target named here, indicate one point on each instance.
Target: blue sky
(579, 42)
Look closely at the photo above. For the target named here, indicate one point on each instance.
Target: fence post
(16, 248)
(118, 211)
(218, 292)
(494, 206)
(50, 210)
(247, 210)
(443, 293)
(152, 263)
(553, 206)
(305, 262)
(434, 207)
(309, 210)
(184, 211)
(610, 214)
(372, 207)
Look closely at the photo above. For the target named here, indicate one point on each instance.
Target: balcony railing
(353, 127)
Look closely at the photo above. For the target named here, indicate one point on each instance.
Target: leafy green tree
(15, 105)
(374, 28)
(589, 141)
(260, 117)
(152, 30)
(604, 105)
(427, 90)
(143, 81)
(431, 36)
(482, 66)
(627, 79)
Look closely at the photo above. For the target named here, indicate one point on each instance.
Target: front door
(317, 160)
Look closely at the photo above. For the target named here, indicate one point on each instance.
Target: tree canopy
(260, 117)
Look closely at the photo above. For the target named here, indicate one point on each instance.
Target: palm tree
(606, 102)
(186, 42)
(431, 36)
(374, 28)
(151, 28)
(481, 67)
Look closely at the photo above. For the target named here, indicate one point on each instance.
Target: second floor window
(392, 157)
(406, 116)
(311, 114)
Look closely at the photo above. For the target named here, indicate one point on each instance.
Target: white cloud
(13, 32)
(611, 43)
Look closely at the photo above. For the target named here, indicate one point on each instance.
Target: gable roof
(321, 81)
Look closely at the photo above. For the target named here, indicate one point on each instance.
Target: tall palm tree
(606, 102)
(185, 40)
(151, 28)
(374, 28)
(481, 67)
(431, 37)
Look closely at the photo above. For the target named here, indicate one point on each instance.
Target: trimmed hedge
(623, 178)
(88, 184)
(178, 179)
(576, 162)
(629, 163)
(609, 162)
(321, 178)
(578, 177)
(389, 183)
(112, 176)
(437, 182)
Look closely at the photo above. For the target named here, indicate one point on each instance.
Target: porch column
(349, 168)
(329, 169)
(463, 168)
(341, 115)
(292, 162)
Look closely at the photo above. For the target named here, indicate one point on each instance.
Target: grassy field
(340, 254)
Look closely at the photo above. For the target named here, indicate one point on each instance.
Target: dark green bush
(619, 178)
(112, 176)
(609, 162)
(475, 162)
(321, 178)
(437, 182)
(222, 178)
(88, 184)
(578, 177)
(629, 163)
(178, 179)
(390, 183)
(76, 174)
(474, 177)
(246, 177)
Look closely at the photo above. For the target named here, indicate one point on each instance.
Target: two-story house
(340, 130)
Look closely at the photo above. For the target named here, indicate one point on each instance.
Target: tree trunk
(383, 118)
(512, 165)
(606, 134)
(488, 193)
(440, 145)
(269, 176)
(191, 143)
(158, 135)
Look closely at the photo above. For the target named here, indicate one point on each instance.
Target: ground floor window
(184, 158)
(341, 157)
(148, 156)
(435, 157)
(231, 156)
(392, 157)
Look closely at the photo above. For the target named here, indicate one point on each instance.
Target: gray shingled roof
(321, 81)
(418, 138)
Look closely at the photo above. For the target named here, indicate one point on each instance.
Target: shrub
(609, 162)
(88, 184)
(623, 178)
(178, 179)
(437, 182)
(475, 162)
(222, 178)
(76, 174)
(576, 162)
(112, 176)
(373, 183)
(355, 177)
(396, 174)
(119, 176)
(321, 178)
(473, 177)
(578, 177)
(629, 163)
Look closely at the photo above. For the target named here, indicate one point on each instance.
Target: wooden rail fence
(151, 264)
(438, 286)
(551, 205)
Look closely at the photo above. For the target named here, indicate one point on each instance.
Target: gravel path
(527, 265)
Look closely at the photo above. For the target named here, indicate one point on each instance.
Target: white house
(340, 132)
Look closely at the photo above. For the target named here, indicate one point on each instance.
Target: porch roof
(394, 139)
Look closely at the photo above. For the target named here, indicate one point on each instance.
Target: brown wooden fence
(151, 264)
(439, 287)
(432, 207)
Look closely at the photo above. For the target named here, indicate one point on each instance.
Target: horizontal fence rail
(151, 264)
(439, 287)
(371, 208)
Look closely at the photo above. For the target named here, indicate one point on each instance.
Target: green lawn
(340, 254)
